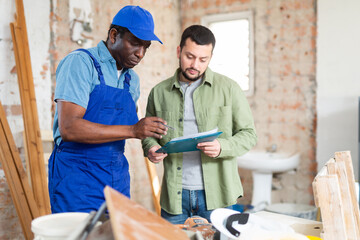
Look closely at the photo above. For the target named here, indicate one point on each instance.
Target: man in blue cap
(96, 94)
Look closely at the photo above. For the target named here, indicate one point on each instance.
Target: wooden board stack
(334, 192)
(34, 148)
(16, 177)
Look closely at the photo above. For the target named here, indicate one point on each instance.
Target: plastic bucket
(56, 226)
(294, 209)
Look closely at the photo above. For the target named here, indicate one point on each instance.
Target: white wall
(9, 90)
(37, 15)
(338, 77)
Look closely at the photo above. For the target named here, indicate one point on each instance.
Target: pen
(172, 128)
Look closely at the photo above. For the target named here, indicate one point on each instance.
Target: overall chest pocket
(115, 113)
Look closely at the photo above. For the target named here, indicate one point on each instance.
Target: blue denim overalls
(79, 172)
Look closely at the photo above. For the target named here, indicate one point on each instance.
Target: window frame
(247, 15)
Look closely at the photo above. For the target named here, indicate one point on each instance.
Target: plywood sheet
(131, 221)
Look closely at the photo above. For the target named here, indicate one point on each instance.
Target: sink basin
(263, 165)
(268, 162)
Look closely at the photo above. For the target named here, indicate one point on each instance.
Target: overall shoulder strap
(96, 64)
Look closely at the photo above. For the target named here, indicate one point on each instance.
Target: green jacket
(218, 102)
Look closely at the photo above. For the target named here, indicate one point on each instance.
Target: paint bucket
(56, 226)
(294, 209)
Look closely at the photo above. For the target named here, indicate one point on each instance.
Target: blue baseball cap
(139, 22)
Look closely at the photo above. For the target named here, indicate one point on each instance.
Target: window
(234, 50)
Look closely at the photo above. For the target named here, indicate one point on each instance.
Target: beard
(192, 79)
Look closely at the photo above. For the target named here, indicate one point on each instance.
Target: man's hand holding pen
(150, 127)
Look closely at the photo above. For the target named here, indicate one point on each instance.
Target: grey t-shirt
(192, 171)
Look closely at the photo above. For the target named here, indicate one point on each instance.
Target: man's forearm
(84, 131)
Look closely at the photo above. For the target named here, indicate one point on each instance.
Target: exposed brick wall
(284, 100)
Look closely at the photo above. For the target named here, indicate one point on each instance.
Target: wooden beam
(16, 177)
(334, 192)
(29, 109)
(338, 169)
(343, 159)
(155, 184)
(329, 200)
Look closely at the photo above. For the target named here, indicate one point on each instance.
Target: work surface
(132, 221)
(300, 225)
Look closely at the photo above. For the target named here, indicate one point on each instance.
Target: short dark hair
(199, 34)
(120, 30)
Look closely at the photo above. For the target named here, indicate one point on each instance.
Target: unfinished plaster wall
(283, 104)
(37, 17)
(159, 63)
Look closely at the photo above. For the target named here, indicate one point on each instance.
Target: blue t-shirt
(76, 78)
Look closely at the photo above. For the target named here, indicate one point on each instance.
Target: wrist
(132, 131)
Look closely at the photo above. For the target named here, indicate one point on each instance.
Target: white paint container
(56, 226)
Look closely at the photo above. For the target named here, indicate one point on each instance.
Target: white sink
(265, 162)
(263, 165)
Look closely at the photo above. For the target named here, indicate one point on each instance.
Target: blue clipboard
(187, 144)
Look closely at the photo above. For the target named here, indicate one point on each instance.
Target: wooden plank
(18, 164)
(131, 221)
(29, 110)
(47, 141)
(37, 170)
(338, 168)
(323, 172)
(330, 167)
(345, 158)
(19, 200)
(155, 184)
(316, 194)
(329, 200)
(16, 177)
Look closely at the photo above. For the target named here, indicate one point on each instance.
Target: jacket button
(179, 168)
(179, 192)
(180, 119)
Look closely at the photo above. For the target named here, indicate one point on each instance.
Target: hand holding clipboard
(188, 143)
